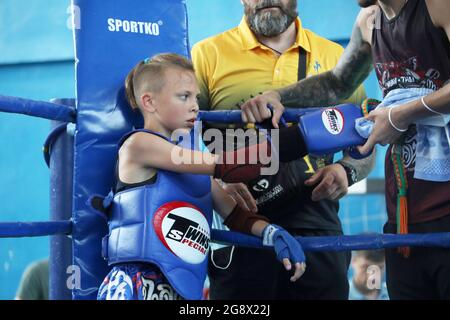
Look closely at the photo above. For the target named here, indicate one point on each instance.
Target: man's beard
(270, 23)
(366, 3)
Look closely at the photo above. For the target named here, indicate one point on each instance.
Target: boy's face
(176, 105)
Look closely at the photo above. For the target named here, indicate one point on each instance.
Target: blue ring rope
(40, 109)
(234, 116)
(328, 243)
(34, 229)
(343, 243)
(64, 113)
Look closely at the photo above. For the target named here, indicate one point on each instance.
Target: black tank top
(409, 51)
(122, 186)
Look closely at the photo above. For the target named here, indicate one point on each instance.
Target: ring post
(61, 185)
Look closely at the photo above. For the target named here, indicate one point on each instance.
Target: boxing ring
(82, 147)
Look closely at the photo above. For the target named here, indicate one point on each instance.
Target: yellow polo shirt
(233, 66)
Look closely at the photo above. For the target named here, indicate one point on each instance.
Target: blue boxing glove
(287, 248)
(330, 130)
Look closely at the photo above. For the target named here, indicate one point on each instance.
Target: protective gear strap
(235, 166)
(242, 220)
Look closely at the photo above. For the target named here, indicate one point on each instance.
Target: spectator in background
(34, 282)
(368, 282)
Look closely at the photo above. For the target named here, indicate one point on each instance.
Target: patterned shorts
(136, 282)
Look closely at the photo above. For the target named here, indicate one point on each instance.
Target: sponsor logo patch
(261, 186)
(130, 26)
(184, 230)
(333, 120)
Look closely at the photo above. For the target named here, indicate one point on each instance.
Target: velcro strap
(268, 233)
(236, 166)
(105, 247)
(108, 200)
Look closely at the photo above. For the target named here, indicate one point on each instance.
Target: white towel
(433, 136)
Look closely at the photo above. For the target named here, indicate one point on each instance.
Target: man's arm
(440, 14)
(325, 89)
(337, 84)
(331, 182)
(362, 167)
(435, 103)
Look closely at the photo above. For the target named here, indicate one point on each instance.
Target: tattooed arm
(362, 167)
(337, 84)
(327, 88)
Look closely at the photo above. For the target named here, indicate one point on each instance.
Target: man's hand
(240, 193)
(383, 132)
(331, 183)
(256, 109)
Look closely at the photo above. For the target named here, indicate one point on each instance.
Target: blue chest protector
(166, 223)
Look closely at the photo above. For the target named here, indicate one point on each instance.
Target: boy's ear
(148, 102)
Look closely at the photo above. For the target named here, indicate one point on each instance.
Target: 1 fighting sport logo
(333, 121)
(184, 230)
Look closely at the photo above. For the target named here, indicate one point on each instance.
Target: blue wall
(36, 62)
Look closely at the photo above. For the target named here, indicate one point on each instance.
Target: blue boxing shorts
(137, 281)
